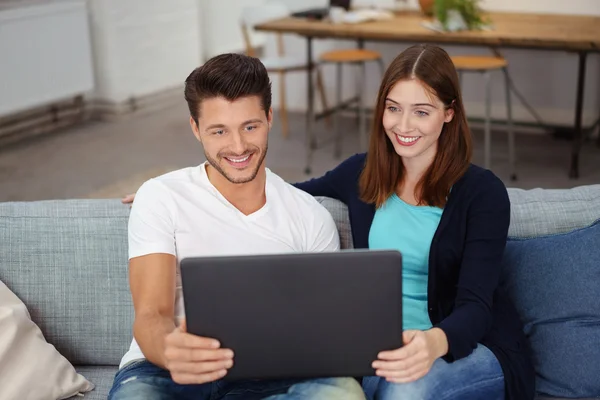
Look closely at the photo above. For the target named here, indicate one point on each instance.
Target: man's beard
(213, 163)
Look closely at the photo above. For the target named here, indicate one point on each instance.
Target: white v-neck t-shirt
(183, 214)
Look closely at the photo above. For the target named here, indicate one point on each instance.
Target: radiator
(45, 54)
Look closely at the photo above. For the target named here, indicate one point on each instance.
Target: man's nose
(238, 145)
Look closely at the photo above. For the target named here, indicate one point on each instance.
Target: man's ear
(195, 129)
(270, 117)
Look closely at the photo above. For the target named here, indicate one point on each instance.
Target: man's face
(234, 136)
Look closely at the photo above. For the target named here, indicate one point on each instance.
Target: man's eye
(251, 128)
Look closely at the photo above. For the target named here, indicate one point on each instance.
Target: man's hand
(128, 199)
(414, 360)
(193, 359)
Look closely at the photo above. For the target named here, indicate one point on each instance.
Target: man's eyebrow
(214, 126)
(252, 121)
(221, 126)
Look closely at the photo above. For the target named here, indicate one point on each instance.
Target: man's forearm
(150, 332)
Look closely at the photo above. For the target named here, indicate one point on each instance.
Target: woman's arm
(488, 220)
(337, 183)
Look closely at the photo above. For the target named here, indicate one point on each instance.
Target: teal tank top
(409, 229)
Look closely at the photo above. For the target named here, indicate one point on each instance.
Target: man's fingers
(188, 341)
(199, 368)
(191, 379)
(182, 325)
(195, 354)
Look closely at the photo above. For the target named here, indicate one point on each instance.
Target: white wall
(143, 46)
(546, 79)
(221, 25)
(44, 55)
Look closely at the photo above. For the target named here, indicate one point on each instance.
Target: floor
(110, 159)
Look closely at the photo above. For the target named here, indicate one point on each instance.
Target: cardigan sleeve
(339, 183)
(488, 219)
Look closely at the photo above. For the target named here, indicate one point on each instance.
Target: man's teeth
(407, 139)
(238, 160)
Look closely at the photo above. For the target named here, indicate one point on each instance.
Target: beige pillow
(30, 367)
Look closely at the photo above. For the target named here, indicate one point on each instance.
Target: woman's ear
(449, 112)
(449, 115)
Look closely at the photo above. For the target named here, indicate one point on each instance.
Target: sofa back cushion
(552, 272)
(67, 261)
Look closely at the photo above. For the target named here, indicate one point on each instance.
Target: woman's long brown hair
(384, 172)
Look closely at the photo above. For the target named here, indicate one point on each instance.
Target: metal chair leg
(487, 145)
(512, 157)
(337, 121)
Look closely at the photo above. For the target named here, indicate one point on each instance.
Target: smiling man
(229, 205)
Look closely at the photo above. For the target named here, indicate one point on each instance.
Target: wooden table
(577, 34)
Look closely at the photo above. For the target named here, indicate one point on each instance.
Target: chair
(356, 57)
(486, 65)
(280, 64)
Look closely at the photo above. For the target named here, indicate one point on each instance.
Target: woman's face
(413, 120)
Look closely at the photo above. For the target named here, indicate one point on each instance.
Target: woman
(416, 191)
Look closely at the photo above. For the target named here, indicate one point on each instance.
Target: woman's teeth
(407, 139)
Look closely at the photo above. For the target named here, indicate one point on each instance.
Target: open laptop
(297, 315)
(321, 13)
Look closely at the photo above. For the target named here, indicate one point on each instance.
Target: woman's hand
(414, 360)
(128, 199)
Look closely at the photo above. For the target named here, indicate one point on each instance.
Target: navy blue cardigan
(465, 293)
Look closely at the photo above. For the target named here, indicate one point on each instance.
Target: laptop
(300, 315)
(322, 13)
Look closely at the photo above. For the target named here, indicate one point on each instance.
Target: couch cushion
(555, 282)
(101, 377)
(67, 261)
(551, 273)
(539, 212)
(339, 212)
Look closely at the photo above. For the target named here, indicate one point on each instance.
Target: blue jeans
(476, 377)
(142, 380)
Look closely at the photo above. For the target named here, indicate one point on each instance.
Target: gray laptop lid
(297, 315)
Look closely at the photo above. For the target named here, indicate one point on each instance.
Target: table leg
(310, 139)
(578, 134)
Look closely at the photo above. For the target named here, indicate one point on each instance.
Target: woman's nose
(404, 123)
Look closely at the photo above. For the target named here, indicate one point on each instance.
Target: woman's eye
(392, 108)
(422, 113)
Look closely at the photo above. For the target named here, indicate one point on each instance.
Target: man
(231, 204)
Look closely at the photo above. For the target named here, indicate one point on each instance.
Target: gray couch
(67, 260)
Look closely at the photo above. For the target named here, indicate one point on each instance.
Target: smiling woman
(419, 109)
(416, 191)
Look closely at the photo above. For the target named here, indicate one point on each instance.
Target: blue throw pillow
(555, 284)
